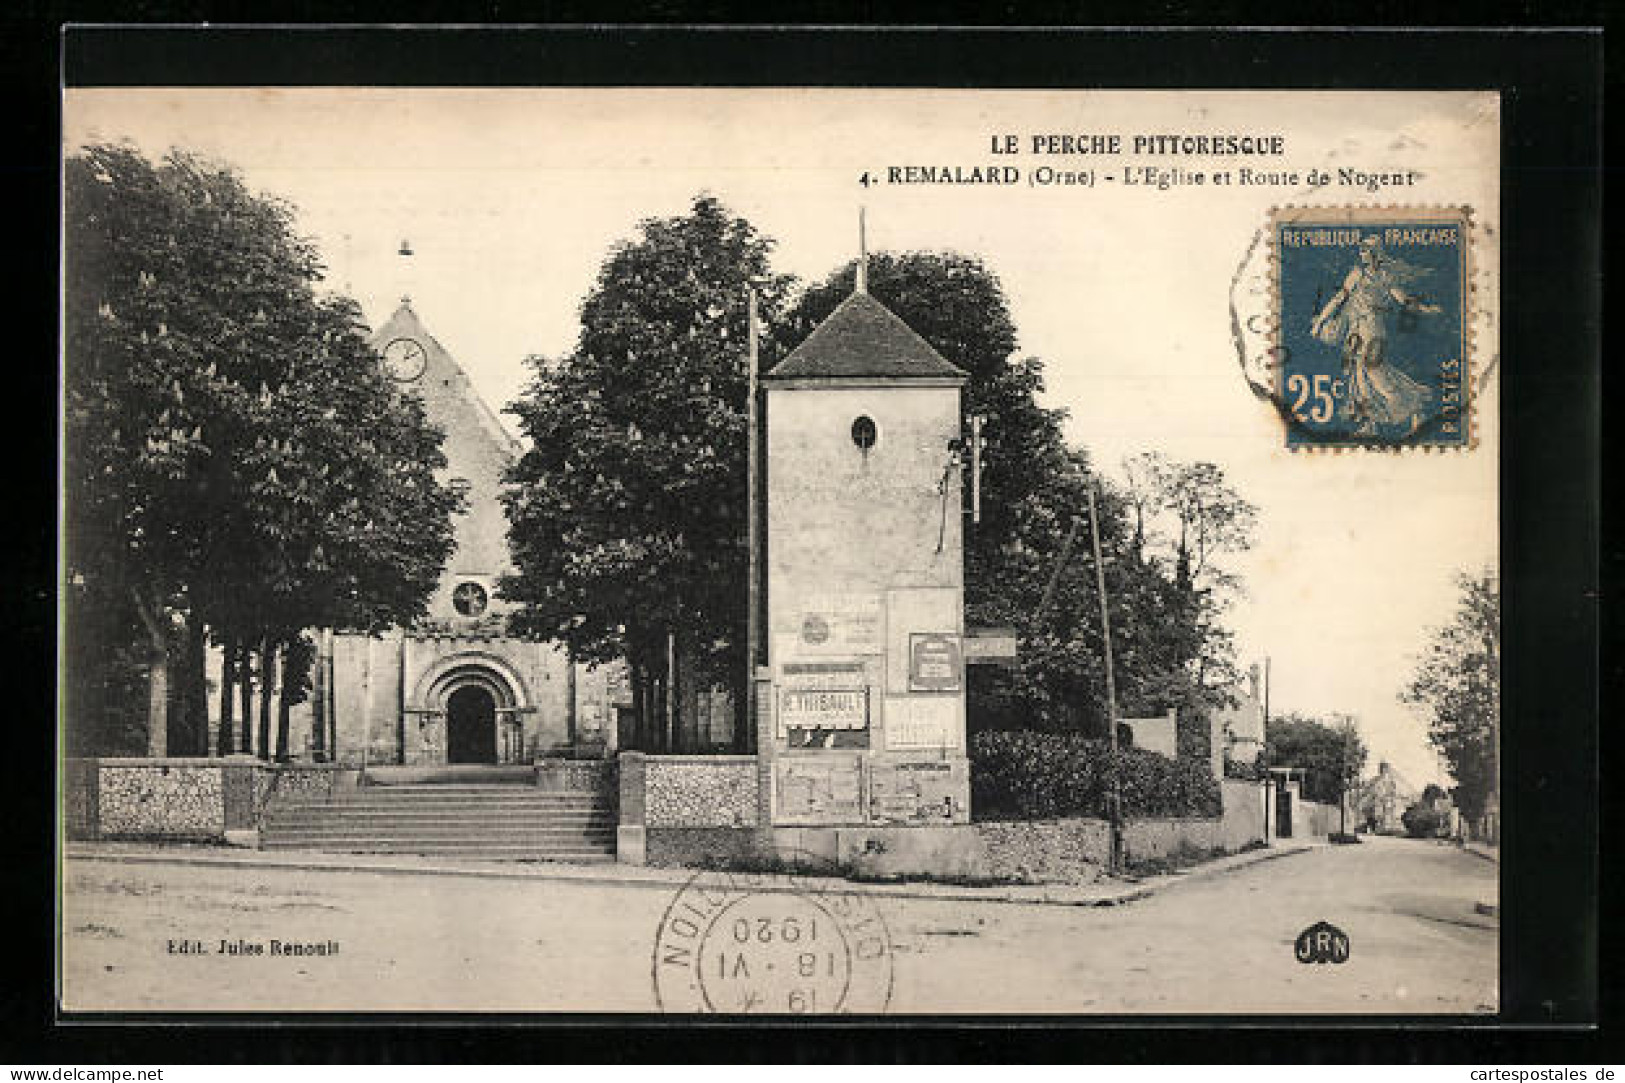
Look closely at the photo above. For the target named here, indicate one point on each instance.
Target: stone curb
(1482, 853)
(675, 879)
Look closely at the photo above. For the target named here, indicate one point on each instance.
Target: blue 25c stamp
(1372, 326)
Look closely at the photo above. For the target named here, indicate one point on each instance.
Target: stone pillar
(238, 778)
(631, 836)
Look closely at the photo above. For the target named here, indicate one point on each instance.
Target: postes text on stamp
(1372, 326)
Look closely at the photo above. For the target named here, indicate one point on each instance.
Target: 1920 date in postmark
(1372, 326)
(750, 943)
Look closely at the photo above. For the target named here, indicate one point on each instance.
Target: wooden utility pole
(1116, 799)
(753, 618)
(1269, 776)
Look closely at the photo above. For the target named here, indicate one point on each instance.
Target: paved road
(1219, 944)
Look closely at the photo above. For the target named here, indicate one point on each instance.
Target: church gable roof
(449, 397)
(864, 338)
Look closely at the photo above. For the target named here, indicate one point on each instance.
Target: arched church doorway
(471, 726)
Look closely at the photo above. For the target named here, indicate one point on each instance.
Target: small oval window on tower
(863, 432)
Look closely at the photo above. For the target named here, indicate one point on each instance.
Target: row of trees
(1457, 686)
(627, 513)
(238, 468)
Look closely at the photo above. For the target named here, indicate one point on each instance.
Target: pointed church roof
(864, 338)
(444, 385)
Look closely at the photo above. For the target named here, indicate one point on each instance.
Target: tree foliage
(627, 512)
(236, 460)
(1331, 753)
(1457, 684)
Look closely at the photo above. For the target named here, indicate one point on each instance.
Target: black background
(1553, 934)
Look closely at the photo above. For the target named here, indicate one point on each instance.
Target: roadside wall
(179, 798)
(688, 810)
(1244, 812)
(1077, 850)
(1313, 819)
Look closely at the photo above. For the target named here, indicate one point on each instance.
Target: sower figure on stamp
(1380, 396)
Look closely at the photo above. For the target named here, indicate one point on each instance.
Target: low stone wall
(79, 799)
(700, 791)
(576, 776)
(707, 847)
(1046, 851)
(182, 798)
(168, 799)
(1155, 840)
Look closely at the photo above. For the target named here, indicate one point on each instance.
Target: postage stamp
(755, 943)
(1372, 326)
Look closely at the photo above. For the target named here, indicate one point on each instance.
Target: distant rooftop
(863, 337)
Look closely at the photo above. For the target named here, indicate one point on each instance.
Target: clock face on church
(405, 359)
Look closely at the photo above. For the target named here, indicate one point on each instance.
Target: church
(455, 688)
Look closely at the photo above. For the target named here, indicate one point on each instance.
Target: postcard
(802, 551)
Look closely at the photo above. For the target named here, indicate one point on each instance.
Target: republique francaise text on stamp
(1372, 326)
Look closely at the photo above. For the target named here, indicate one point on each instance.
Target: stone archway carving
(472, 669)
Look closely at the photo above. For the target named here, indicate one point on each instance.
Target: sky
(511, 199)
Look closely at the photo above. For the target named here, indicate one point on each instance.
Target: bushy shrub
(1422, 822)
(1039, 776)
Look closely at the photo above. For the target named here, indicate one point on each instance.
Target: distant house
(1383, 799)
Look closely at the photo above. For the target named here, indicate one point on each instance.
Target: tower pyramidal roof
(863, 338)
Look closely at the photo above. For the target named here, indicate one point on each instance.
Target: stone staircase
(490, 821)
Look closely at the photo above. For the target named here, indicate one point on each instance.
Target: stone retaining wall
(180, 797)
(707, 847)
(1046, 851)
(577, 776)
(1078, 850)
(700, 791)
(160, 799)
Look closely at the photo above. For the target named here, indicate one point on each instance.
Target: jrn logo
(1322, 942)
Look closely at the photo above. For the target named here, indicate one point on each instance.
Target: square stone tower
(863, 725)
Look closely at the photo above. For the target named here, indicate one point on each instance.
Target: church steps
(497, 821)
(576, 855)
(557, 839)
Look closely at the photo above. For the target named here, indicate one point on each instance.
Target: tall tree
(1187, 517)
(235, 459)
(627, 514)
(1457, 684)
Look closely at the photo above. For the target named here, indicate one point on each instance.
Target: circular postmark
(770, 943)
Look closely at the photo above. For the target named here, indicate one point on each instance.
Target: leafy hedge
(1038, 776)
(1422, 822)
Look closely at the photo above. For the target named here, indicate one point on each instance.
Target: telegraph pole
(753, 529)
(1269, 777)
(1116, 799)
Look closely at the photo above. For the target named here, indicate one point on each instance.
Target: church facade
(455, 688)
